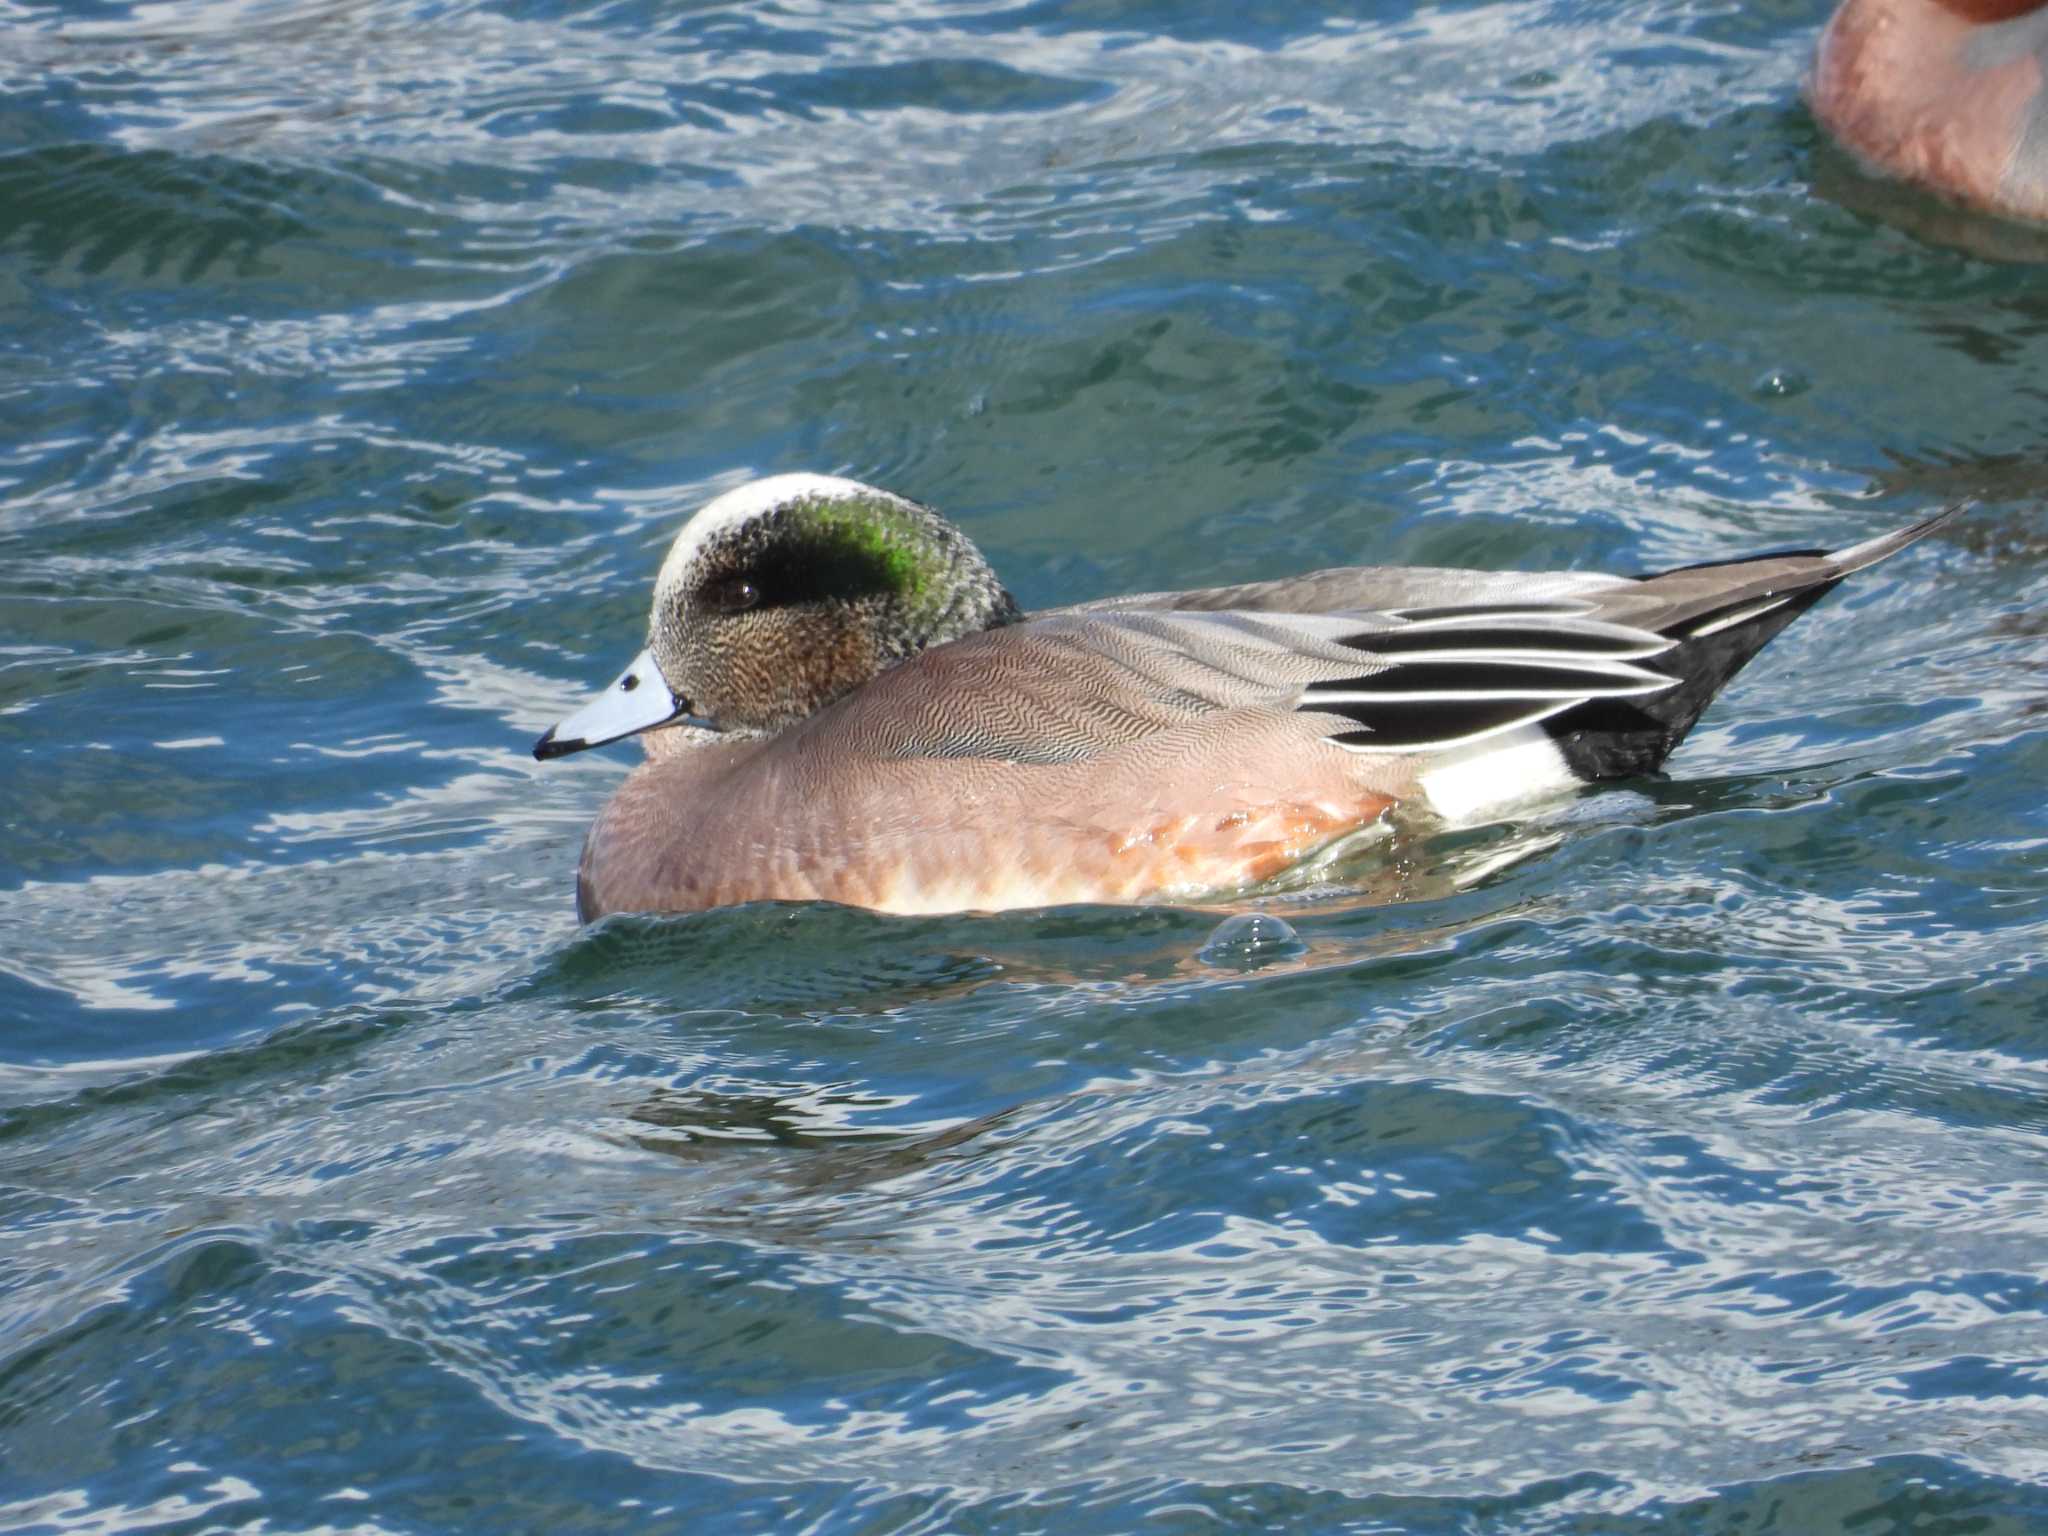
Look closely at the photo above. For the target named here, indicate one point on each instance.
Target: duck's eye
(731, 595)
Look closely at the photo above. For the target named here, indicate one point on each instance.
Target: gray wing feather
(1362, 589)
(1071, 685)
(1391, 659)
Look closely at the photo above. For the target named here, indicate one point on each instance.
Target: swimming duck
(1942, 93)
(842, 703)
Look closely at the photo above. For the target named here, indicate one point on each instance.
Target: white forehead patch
(744, 503)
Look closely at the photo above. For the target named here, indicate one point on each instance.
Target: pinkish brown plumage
(1942, 93)
(842, 704)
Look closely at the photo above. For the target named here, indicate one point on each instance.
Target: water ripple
(1670, 1157)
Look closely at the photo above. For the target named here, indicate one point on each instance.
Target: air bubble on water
(1780, 384)
(1250, 940)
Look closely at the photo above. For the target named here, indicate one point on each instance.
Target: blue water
(1686, 1171)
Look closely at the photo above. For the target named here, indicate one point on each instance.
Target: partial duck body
(1942, 93)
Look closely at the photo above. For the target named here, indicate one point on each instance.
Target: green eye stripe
(884, 536)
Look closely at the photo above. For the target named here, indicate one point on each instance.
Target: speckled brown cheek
(766, 670)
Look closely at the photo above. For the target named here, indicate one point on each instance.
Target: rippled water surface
(1689, 1171)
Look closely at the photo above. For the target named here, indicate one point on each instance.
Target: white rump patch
(1511, 768)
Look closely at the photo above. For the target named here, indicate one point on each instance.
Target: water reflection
(1682, 1144)
(675, 1270)
(833, 118)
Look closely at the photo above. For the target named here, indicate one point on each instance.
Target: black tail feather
(1616, 738)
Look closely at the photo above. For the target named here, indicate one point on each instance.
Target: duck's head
(782, 596)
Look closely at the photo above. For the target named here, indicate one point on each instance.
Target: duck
(840, 702)
(1945, 94)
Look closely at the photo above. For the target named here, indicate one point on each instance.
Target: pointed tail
(1720, 615)
(1859, 556)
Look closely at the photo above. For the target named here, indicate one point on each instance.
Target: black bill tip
(552, 746)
